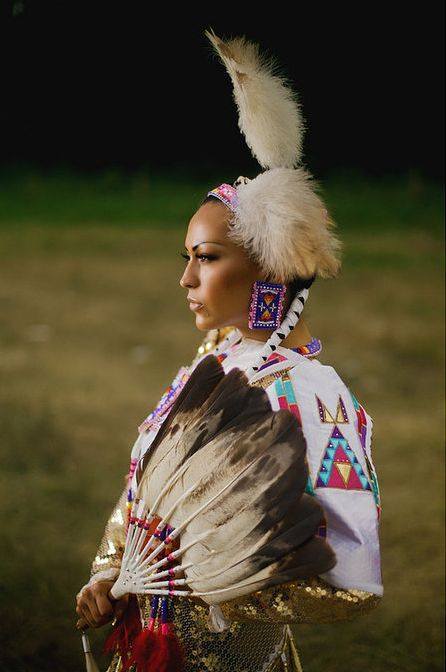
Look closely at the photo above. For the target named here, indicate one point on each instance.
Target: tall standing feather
(269, 114)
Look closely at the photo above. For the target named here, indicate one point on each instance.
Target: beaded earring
(279, 335)
(266, 307)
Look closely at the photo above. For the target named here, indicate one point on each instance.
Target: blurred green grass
(115, 197)
(94, 326)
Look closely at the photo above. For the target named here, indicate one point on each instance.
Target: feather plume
(269, 114)
(230, 481)
(283, 222)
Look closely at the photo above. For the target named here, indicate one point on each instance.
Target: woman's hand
(95, 607)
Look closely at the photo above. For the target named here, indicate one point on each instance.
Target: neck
(299, 336)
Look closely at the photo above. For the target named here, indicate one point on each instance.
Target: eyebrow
(213, 242)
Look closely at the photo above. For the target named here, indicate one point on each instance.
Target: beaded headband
(226, 194)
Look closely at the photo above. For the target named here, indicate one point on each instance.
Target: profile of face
(219, 274)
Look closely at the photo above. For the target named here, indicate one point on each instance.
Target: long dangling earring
(266, 307)
(279, 335)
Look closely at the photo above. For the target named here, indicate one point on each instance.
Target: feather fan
(226, 478)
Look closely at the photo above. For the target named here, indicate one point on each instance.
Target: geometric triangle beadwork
(327, 417)
(339, 466)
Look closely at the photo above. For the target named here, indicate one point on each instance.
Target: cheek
(227, 287)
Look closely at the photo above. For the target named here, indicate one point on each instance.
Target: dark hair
(297, 284)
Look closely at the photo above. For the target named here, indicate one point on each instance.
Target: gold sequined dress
(258, 636)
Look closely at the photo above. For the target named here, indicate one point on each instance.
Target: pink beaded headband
(226, 194)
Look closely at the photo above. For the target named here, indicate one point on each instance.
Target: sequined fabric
(111, 548)
(239, 649)
(244, 647)
(312, 601)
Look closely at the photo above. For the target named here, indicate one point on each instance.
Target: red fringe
(123, 635)
(143, 650)
(171, 654)
(157, 652)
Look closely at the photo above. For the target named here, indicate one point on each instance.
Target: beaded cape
(259, 637)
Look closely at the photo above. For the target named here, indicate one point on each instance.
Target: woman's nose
(188, 279)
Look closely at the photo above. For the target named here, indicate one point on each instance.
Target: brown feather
(240, 504)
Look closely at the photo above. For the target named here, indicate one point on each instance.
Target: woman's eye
(201, 257)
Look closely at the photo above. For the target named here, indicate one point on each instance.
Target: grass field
(94, 326)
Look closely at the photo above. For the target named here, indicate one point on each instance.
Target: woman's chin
(205, 322)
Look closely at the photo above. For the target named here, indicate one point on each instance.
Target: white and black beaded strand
(276, 338)
(227, 342)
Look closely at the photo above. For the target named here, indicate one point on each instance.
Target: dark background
(135, 84)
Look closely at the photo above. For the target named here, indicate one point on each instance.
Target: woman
(252, 252)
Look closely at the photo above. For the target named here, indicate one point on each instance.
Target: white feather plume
(269, 114)
(284, 224)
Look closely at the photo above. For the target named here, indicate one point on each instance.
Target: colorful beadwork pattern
(325, 416)
(155, 418)
(266, 305)
(274, 358)
(309, 487)
(132, 469)
(340, 467)
(362, 432)
(286, 397)
(226, 194)
(313, 348)
(362, 421)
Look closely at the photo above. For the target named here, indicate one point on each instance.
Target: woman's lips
(193, 305)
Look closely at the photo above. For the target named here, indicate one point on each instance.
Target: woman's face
(218, 274)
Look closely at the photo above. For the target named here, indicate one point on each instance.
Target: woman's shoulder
(310, 385)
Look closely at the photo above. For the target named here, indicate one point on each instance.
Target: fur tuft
(269, 114)
(284, 225)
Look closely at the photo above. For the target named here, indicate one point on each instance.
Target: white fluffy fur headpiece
(283, 221)
(279, 219)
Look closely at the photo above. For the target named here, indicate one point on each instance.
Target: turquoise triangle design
(324, 476)
(364, 481)
(336, 440)
(309, 489)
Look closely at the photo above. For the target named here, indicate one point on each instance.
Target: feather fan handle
(269, 114)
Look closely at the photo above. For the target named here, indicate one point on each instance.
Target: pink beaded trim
(226, 194)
